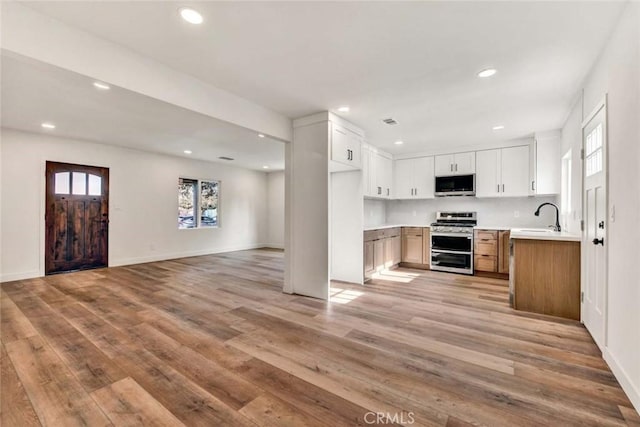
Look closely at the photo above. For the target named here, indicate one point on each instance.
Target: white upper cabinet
(488, 173)
(515, 171)
(346, 147)
(546, 159)
(414, 178)
(455, 164)
(503, 172)
(377, 173)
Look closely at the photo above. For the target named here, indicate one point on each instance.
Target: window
(593, 151)
(197, 203)
(77, 183)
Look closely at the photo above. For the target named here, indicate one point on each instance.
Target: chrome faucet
(557, 226)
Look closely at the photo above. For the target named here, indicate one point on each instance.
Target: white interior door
(594, 244)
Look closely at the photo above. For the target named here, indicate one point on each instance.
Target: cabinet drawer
(414, 231)
(486, 263)
(486, 235)
(489, 247)
(392, 232)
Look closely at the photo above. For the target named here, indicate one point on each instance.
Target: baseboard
(625, 382)
(176, 255)
(19, 276)
(273, 246)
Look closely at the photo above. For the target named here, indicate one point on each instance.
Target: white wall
(275, 210)
(375, 212)
(142, 203)
(571, 140)
(617, 74)
(499, 212)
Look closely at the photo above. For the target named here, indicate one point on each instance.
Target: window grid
(593, 151)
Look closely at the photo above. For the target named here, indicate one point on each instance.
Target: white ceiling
(34, 92)
(414, 61)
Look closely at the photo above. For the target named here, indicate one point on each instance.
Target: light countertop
(543, 234)
(385, 226)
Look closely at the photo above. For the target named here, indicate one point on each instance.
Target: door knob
(598, 241)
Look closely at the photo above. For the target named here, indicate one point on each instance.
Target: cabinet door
(388, 252)
(488, 173)
(378, 254)
(396, 243)
(503, 251)
(354, 144)
(423, 178)
(340, 144)
(387, 177)
(548, 165)
(380, 186)
(412, 248)
(464, 163)
(444, 165)
(515, 171)
(369, 262)
(403, 179)
(426, 246)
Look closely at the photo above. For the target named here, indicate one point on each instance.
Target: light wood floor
(212, 341)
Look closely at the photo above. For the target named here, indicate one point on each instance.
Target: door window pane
(209, 203)
(95, 185)
(593, 151)
(79, 184)
(61, 183)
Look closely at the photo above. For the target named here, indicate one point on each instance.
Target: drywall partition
(275, 210)
(70, 48)
(143, 203)
(346, 226)
(616, 75)
(307, 208)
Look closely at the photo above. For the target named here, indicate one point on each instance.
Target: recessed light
(101, 86)
(499, 127)
(190, 15)
(260, 135)
(48, 125)
(265, 167)
(188, 151)
(399, 142)
(343, 109)
(487, 72)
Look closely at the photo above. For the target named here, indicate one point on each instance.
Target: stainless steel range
(452, 242)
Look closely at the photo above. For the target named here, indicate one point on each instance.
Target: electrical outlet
(516, 214)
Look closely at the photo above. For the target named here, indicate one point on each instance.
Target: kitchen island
(545, 272)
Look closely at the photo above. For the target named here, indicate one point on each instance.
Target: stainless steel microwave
(456, 185)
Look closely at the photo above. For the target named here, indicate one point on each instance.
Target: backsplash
(375, 212)
(507, 212)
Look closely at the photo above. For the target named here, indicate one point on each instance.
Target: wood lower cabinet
(503, 251)
(546, 277)
(412, 249)
(491, 251)
(426, 246)
(382, 250)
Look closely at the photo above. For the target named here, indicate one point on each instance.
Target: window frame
(197, 215)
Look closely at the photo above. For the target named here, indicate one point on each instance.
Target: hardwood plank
(267, 410)
(15, 406)
(57, 397)
(14, 325)
(128, 404)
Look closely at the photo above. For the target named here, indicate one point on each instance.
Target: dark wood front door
(77, 217)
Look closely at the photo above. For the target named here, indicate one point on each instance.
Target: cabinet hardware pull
(451, 167)
(503, 188)
(416, 191)
(533, 188)
(498, 188)
(456, 167)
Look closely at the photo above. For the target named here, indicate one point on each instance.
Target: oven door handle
(436, 234)
(447, 251)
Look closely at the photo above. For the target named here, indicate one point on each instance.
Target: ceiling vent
(226, 158)
(390, 121)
